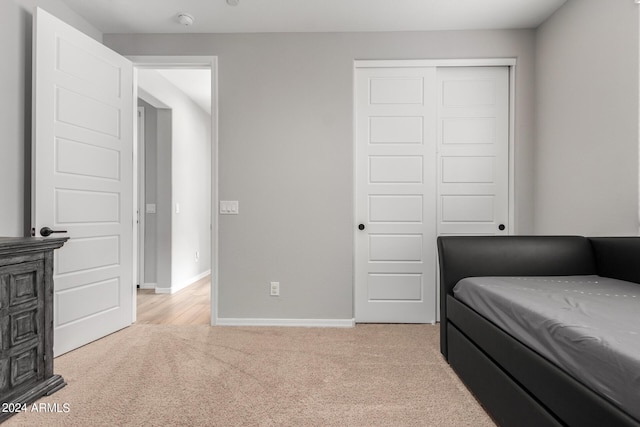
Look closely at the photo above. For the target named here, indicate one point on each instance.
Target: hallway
(190, 306)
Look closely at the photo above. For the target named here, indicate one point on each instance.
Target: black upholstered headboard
(617, 257)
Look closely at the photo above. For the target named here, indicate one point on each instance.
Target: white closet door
(395, 194)
(473, 150)
(432, 157)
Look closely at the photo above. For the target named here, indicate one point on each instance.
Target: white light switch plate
(228, 207)
(151, 208)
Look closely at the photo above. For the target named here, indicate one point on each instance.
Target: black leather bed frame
(513, 383)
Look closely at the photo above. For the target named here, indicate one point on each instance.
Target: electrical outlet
(275, 289)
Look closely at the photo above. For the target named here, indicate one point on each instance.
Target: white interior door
(473, 150)
(83, 178)
(395, 194)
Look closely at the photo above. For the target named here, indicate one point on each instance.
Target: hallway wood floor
(190, 306)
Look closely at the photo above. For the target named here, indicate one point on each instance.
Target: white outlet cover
(275, 288)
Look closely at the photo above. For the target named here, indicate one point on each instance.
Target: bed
(524, 382)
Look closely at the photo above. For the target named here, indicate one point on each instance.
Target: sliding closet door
(395, 193)
(432, 157)
(473, 150)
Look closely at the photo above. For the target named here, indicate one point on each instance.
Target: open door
(83, 178)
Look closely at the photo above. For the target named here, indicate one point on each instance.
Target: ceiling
(250, 16)
(195, 83)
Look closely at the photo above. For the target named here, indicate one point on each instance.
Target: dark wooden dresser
(26, 321)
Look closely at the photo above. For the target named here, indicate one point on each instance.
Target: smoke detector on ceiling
(185, 19)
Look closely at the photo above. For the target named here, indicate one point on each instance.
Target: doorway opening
(176, 269)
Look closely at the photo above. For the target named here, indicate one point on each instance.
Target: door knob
(501, 227)
(361, 227)
(46, 231)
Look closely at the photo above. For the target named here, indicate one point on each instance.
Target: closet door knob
(501, 227)
(361, 227)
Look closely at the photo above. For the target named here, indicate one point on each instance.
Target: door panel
(473, 150)
(397, 130)
(403, 90)
(396, 208)
(395, 247)
(395, 189)
(396, 169)
(83, 174)
(468, 131)
(77, 158)
(401, 287)
(465, 169)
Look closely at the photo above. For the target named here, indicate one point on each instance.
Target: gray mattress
(587, 325)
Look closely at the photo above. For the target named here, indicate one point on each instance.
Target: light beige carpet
(166, 375)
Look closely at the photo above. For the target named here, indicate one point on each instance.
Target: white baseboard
(310, 323)
(178, 287)
(148, 286)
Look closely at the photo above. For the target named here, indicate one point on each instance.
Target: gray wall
(151, 193)
(286, 153)
(15, 105)
(158, 190)
(164, 197)
(587, 120)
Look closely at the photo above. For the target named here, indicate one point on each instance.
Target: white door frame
(480, 62)
(177, 62)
